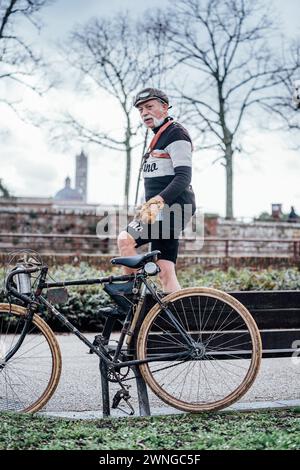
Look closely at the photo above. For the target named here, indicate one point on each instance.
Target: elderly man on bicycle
(170, 200)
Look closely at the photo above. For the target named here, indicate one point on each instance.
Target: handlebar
(47, 285)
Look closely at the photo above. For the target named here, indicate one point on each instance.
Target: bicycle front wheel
(30, 377)
(216, 367)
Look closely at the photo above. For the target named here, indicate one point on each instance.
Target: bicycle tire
(49, 343)
(152, 321)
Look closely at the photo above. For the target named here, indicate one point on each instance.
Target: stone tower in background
(81, 174)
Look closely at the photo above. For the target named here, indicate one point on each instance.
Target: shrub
(84, 302)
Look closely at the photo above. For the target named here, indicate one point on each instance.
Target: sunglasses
(145, 96)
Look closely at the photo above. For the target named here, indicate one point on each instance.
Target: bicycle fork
(12, 352)
(189, 341)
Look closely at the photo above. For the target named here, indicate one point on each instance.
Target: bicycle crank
(118, 377)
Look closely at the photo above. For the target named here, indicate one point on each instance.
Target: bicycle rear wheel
(222, 364)
(30, 377)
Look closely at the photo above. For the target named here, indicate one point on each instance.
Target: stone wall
(257, 229)
(73, 231)
(52, 230)
(48, 221)
(285, 234)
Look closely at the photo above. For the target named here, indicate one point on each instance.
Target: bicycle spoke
(16, 357)
(176, 339)
(218, 363)
(12, 388)
(29, 376)
(229, 340)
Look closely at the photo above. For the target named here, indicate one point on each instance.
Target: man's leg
(167, 263)
(168, 276)
(126, 245)
(134, 236)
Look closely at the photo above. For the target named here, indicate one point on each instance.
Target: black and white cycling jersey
(168, 169)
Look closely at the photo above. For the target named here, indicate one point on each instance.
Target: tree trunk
(229, 182)
(128, 168)
(227, 140)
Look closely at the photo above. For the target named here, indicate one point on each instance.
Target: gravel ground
(79, 388)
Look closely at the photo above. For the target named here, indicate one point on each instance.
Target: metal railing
(85, 243)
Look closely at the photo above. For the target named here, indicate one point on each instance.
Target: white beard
(157, 122)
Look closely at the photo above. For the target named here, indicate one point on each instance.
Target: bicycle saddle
(136, 261)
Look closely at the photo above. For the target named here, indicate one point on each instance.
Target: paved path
(79, 389)
(164, 410)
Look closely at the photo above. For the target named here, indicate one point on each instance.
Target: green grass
(255, 430)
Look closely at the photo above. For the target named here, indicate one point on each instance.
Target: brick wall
(61, 222)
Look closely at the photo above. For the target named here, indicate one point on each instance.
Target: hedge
(84, 302)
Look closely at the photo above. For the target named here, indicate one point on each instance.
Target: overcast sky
(30, 167)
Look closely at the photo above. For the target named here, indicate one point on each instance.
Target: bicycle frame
(100, 351)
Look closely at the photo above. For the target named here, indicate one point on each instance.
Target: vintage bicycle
(198, 349)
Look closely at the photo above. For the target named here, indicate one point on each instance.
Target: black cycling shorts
(163, 234)
(164, 240)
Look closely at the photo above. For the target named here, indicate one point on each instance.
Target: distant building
(68, 193)
(81, 175)
(66, 198)
(276, 211)
(79, 193)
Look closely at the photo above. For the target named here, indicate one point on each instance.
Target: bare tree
(286, 104)
(3, 190)
(110, 55)
(232, 70)
(18, 61)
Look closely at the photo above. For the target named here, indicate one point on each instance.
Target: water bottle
(23, 281)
